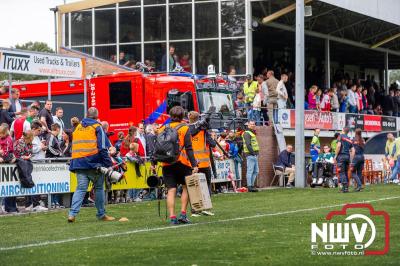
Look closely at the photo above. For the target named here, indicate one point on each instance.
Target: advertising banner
(314, 119)
(354, 121)
(48, 178)
(339, 121)
(372, 123)
(41, 64)
(389, 123)
(284, 117)
(225, 171)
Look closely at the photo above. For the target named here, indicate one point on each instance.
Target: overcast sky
(22, 21)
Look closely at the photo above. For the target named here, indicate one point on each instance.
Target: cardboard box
(198, 192)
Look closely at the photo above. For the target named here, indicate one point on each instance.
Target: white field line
(145, 230)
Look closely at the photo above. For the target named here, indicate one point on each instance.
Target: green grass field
(266, 228)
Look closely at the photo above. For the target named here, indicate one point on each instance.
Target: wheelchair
(324, 176)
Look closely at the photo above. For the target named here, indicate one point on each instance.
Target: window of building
(129, 25)
(108, 52)
(206, 20)
(132, 53)
(183, 55)
(234, 55)
(154, 23)
(206, 54)
(105, 26)
(81, 28)
(180, 22)
(233, 19)
(120, 95)
(154, 54)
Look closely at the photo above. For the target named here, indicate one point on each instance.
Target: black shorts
(175, 174)
(207, 172)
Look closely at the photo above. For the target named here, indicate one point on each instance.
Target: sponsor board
(284, 117)
(48, 178)
(372, 123)
(225, 171)
(41, 64)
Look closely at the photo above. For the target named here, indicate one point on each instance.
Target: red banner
(372, 123)
(314, 119)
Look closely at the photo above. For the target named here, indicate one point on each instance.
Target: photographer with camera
(173, 148)
(89, 155)
(201, 142)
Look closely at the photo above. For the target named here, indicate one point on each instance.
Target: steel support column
(327, 64)
(299, 139)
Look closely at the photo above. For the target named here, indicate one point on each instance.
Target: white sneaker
(29, 208)
(195, 215)
(396, 181)
(39, 209)
(314, 180)
(207, 213)
(320, 180)
(137, 200)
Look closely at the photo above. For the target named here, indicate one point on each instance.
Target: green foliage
(258, 238)
(394, 75)
(29, 46)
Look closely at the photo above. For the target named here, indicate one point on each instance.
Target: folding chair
(279, 171)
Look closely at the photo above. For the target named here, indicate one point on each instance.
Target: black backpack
(166, 145)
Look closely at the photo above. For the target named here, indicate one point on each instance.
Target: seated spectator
(327, 157)
(284, 161)
(6, 145)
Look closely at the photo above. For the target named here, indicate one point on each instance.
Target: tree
(29, 46)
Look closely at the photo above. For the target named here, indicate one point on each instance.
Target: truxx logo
(16, 62)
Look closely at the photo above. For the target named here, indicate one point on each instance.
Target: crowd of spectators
(347, 95)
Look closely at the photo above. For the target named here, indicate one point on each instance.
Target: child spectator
(257, 107)
(54, 146)
(326, 101)
(118, 143)
(318, 98)
(6, 145)
(23, 146)
(133, 156)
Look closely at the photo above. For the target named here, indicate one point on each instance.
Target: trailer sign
(41, 64)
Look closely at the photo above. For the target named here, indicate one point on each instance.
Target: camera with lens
(154, 181)
(113, 176)
(204, 121)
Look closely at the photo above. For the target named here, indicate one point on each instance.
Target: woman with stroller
(357, 164)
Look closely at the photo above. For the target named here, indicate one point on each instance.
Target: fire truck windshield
(222, 100)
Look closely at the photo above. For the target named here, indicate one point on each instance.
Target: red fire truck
(126, 99)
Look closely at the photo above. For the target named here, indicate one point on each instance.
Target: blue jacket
(101, 158)
(284, 159)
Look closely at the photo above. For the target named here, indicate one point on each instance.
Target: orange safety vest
(200, 148)
(84, 141)
(181, 133)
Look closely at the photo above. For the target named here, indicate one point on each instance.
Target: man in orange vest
(174, 174)
(201, 141)
(89, 152)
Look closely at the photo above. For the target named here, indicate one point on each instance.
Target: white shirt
(257, 102)
(61, 124)
(37, 152)
(264, 88)
(281, 90)
(352, 97)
